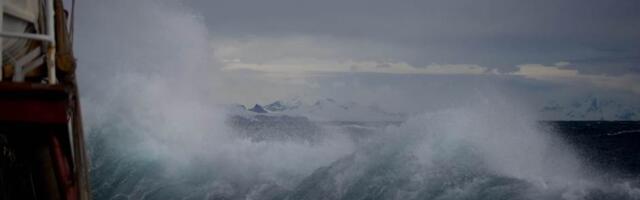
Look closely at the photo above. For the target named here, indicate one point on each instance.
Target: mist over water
(151, 116)
(156, 131)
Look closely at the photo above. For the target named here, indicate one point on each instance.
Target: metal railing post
(51, 50)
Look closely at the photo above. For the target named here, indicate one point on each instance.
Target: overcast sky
(278, 49)
(594, 36)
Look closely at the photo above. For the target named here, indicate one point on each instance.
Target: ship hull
(42, 154)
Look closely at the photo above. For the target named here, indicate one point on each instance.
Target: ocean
(281, 157)
(151, 91)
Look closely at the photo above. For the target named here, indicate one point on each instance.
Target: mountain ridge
(587, 108)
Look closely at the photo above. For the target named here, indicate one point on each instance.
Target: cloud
(541, 71)
(303, 54)
(406, 55)
(600, 37)
(383, 65)
(301, 66)
(628, 82)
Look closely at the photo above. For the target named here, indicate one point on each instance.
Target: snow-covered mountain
(280, 106)
(258, 109)
(590, 108)
(328, 110)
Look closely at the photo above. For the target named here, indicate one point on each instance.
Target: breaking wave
(484, 152)
(155, 132)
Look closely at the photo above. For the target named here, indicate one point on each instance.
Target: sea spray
(155, 129)
(149, 90)
(490, 150)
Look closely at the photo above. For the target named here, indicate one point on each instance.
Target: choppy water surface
(154, 131)
(448, 155)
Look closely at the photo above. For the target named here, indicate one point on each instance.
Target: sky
(413, 53)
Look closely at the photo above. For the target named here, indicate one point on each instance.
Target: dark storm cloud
(598, 36)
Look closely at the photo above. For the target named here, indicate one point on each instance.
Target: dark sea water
(383, 163)
(611, 145)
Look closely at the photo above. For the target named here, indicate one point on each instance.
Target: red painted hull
(36, 123)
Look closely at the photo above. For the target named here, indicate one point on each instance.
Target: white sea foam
(148, 87)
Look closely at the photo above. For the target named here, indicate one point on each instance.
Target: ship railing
(27, 63)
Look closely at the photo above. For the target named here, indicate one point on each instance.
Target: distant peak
(258, 109)
(275, 106)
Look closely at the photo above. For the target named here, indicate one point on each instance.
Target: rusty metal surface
(65, 62)
(66, 65)
(33, 103)
(51, 108)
